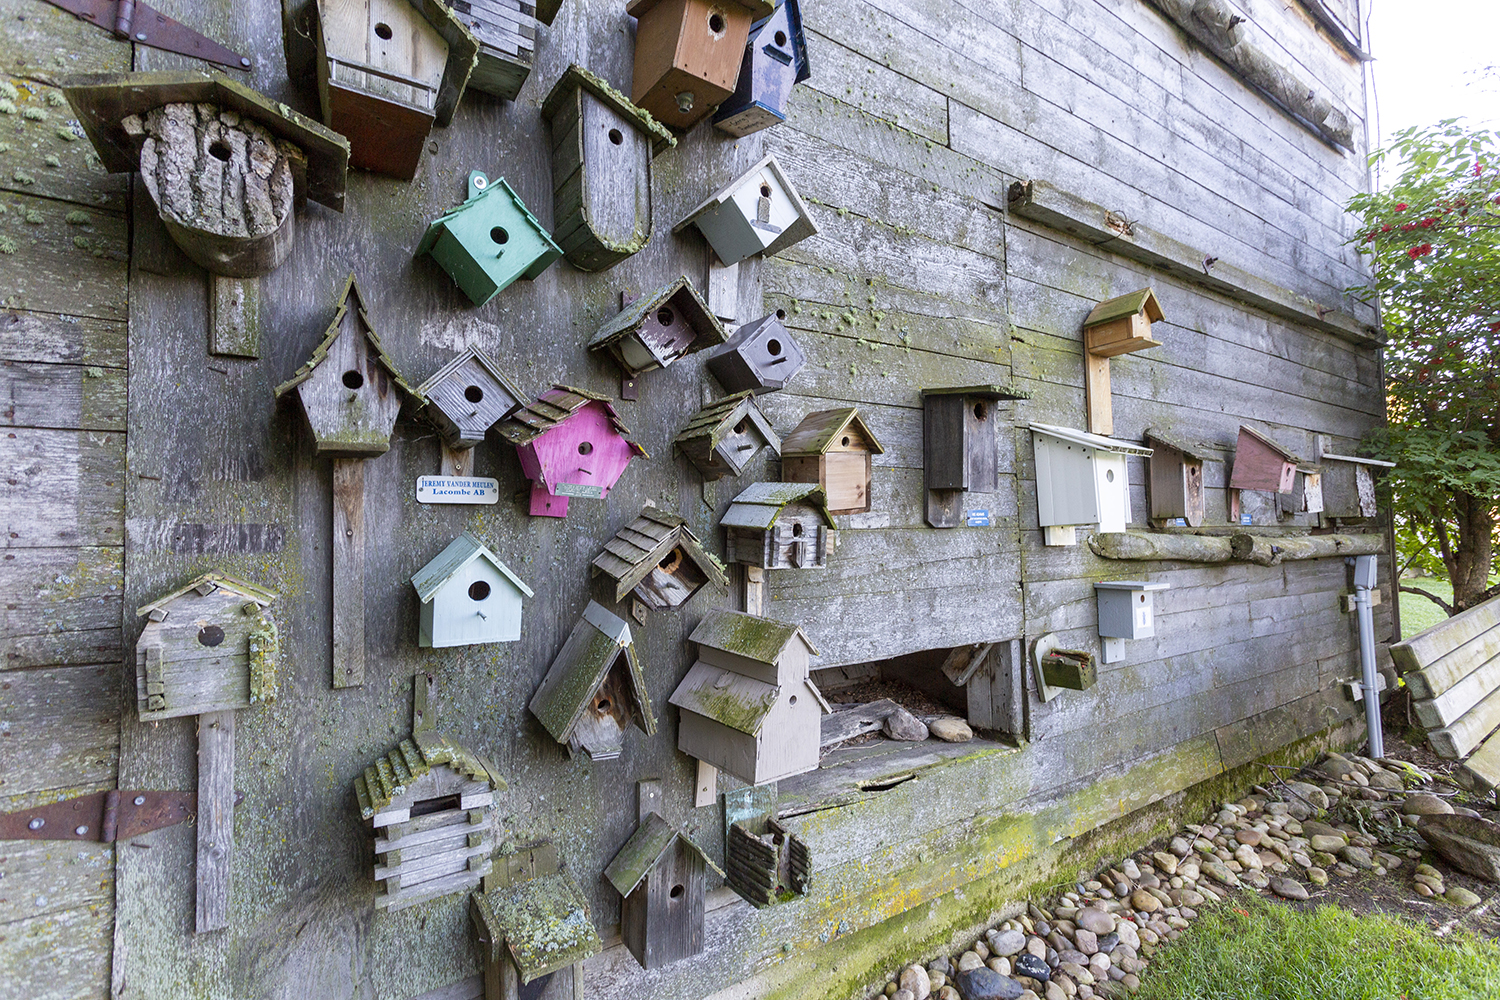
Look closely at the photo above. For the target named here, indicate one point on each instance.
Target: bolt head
(81, 831)
(36, 824)
(140, 800)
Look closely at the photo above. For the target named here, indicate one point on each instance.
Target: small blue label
(978, 518)
(1177, 522)
(1245, 519)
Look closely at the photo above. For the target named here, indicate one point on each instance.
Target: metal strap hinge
(103, 816)
(137, 22)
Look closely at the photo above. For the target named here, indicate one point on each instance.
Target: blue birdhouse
(490, 240)
(468, 596)
(775, 61)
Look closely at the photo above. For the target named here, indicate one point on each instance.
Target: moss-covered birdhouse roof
(540, 919)
(575, 78)
(750, 636)
(1143, 301)
(380, 783)
(581, 666)
(1190, 450)
(824, 429)
(207, 584)
(717, 421)
(644, 850)
(640, 546)
(762, 503)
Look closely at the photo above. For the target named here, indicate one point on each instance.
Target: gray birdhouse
(468, 597)
(1080, 479)
(960, 447)
(1348, 482)
(1261, 464)
(659, 559)
(760, 357)
(758, 212)
(722, 439)
(778, 526)
(468, 396)
(657, 329)
(832, 448)
(1175, 479)
(1125, 612)
(660, 876)
(531, 921)
(506, 32)
(595, 688)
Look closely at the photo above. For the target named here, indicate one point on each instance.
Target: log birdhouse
(688, 53)
(1080, 479)
(231, 210)
(490, 241)
(832, 448)
(468, 396)
(960, 447)
(387, 71)
(657, 558)
(1348, 482)
(571, 444)
(595, 688)
(775, 61)
(748, 704)
(760, 357)
(1116, 326)
(660, 875)
(722, 439)
(778, 526)
(506, 33)
(1261, 464)
(1175, 479)
(657, 329)
(531, 920)
(758, 212)
(602, 147)
(767, 863)
(468, 597)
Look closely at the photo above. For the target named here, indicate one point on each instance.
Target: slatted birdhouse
(489, 241)
(1080, 479)
(571, 444)
(760, 357)
(531, 921)
(748, 704)
(758, 212)
(1261, 464)
(468, 396)
(657, 329)
(506, 33)
(1117, 326)
(468, 597)
(778, 526)
(657, 558)
(1175, 479)
(602, 147)
(595, 688)
(767, 863)
(960, 447)
(387, 71)
(660, 875)
(688, 53)
(775, 61)
(722, 439)
(832, 448)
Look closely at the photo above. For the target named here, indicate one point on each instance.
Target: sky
(1428, 55)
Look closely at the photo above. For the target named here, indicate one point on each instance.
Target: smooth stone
(1326, 844)
(1422, 804)
(1425, 869)
(915, 979)
(1247, 856)
(1080, 974)
(1288, 888)
(1087, 941)
(1144, 901)
(941, 964)
(1471, 845)
(1055, 992)
(903, 995)
(948, 993)
(1006, 943)
(1459, 896)
(987, 984)
(1423, 890)
(969, 961)
(950, 730)
(1029, 994)
(981, 949)
(1029, 965)
(1109, 942)
(891, 989)
(1166, 862)
(1250, 838)
(1000, 965)
(1180, 847)
(938, 980)
(1130, 869)
(1313, 828)
(1072, 955)
(1131, 982)
(1121, 889)
(1359, 857)
(1128, 935)
(1387, 781)
(902, 725)
(1095, 920)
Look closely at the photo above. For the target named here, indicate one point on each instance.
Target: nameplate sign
(579, 490)
(457, 489)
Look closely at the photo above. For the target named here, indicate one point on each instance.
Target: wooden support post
(457, 463)
(707, 789)
(724, 291)
(215, 818)
(648, 798)
(424, 702)
(348, 572)
(234, 316)
(1097, 393)
(755, 589)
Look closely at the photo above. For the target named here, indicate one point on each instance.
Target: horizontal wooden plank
(64, 397)
(1439, 656)
(61, 339)
(1458, 738)
(1449, 706)
(43, 877)
(59, 956)
(62, 606)
(848, 76)
(56, 267)
(60, 732)
(62, 487)
(48, 156)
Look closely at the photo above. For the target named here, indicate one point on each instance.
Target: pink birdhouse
(572, 444)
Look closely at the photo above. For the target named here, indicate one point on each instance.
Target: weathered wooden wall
(918, 118)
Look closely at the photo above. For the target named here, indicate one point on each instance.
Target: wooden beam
(234, 316)
(215, 818)
(348, 572)
(1138, 545)
(457, 463)
(1097, 394)
(755, 589)
(707, 788)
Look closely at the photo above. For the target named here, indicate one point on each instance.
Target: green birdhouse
(490, 240)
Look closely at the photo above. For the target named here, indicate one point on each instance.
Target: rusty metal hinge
(103, 816)
(139, 23)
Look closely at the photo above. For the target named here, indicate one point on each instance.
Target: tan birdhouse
(688, 54)
(832, 448)
(1116, 326)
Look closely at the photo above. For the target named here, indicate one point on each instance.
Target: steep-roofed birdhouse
(602, 146)
(749, 706)
(722, 439)
(778, 526)
(660, 560)
(758, 212)
(1175, 481)
(960, 447)
(832, 448)
(1117, 326)
(489, 241)
(595, 688)
(468, 396)
(775, 61)
(230, 211)
(468, 597)
(506, 32)
(387, 70)
(531, 920)
(1261, 464)
(660, 875)
(1080, 479)
(571, 444)
(688, 53)
(657, 329)
(760, 357)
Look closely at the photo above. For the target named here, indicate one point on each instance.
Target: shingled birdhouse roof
(554, 407)
(380, 783)
(821, 431)
(640, 546)
(716, 420)
(762, 503)
(349, 297)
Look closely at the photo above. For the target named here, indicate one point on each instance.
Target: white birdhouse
(1080, 479)
(758, 212)
(468, 596)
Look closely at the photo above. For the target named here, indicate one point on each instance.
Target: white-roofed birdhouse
(758, 212)
(722, 439)
(1080, 479)
(468, 596)
(778, 526)
(688, 53)
(760, 357)
(1126, 611)
(595, 688)
(832, 448)
(657, 558)
(960, 447)
(468, 396)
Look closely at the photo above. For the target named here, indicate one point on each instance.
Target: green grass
(1417, 612)
(1255, 950)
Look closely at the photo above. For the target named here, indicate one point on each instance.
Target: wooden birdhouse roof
(543, 923)
(459, 553)
(978, 391)
(388, 777)
(711, 332)
(484, 361)
(575, 77)
(207, 584)
(757, 8)
(1096, 441)
(819, 431)
(551, 409)
(637, 549)
(644, 850)
(1125, 305)
(750, 636)
(716, 420)
(103, 102)
(594, 645)
(1194, 452)
(762, 503)
(350, 295)
(799, 230)
(1257, 436)
(795, 34)
(493, 191)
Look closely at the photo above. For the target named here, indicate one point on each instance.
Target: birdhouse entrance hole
(219, 151)
(353, 380)
(426, 807)
(773, 347)
(210, 635)
(664, 316)
(765, 190)
(383, 31)
(781, 38)
(479, 590)
(474, 394)
(981, 412)
(499, 235)
(677, 891)
(716, 23)
(585, 448)
(616, 136)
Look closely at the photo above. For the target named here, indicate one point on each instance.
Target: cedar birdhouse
(349, 389)
(531, 920)
(960, 447)
(748, 705)
(775, 60)
(657, 329)
(489, 241)
(571, 444)
(687, 54)
(722, 439)
(468, 396)
(660, 875)
(658, 559)
(760, 357)
(778, 526)
(1261, 464)
(207, 647)
(1117, 326)
(1080, 479)
(758, 212)
(595, 688)
(1175, 482)
(602, 146)
(468, 597)
(832, 448)
(388, 70)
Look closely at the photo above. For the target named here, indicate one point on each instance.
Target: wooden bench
(1453, 672)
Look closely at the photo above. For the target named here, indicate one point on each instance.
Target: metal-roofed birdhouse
(775, 61)
(602, 147)
(489, 241)
(660, 875)
(759, 212)
(960, 446)
(1175, 480)
(1117, 326)
(760, 357)
(1126, 611)
(1080, 479)
(778, 526)
(1261, 464)
(595, 688)
(531, 920)
(832, 448)
(659, 559)
(468, 597)
(468, 396)
(688, 53)
(657, 329)
(571, 444)
(724, 436)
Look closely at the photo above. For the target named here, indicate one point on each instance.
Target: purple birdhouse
(571, 444)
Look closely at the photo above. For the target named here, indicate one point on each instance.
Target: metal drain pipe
(1364, 582)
